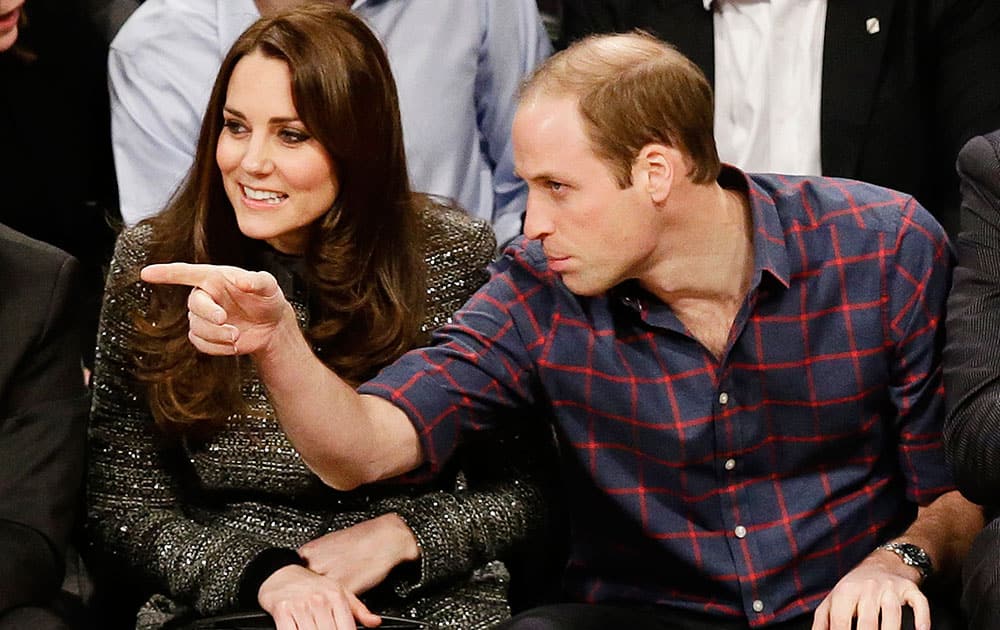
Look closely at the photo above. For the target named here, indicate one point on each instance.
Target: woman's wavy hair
(365, 275)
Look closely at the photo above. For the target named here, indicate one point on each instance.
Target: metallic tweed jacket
(192, 515)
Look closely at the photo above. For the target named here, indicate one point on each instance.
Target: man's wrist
(910, 555)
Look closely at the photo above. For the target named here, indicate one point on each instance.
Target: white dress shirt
(768, 79)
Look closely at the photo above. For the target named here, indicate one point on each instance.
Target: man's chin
(580, 286)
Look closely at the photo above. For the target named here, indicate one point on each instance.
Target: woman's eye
(293, 136)
(234, 126)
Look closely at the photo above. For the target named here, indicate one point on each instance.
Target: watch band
(911, 555)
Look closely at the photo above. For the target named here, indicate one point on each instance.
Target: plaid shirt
(744, 487)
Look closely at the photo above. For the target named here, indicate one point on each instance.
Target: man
(43, 413)
(457, 66)
(743, 371)
(56, 72)
(882, 91)
(971, 368)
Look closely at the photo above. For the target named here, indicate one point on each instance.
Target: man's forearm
(345, 438)
(945, 530)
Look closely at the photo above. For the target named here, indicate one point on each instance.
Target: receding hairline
(572, 71)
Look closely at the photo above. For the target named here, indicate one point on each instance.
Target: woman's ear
(656, 168)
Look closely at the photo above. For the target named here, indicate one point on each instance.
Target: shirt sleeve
(158, 90)
(514, 42)
(972, 357)
(919, 281)
(478, 368)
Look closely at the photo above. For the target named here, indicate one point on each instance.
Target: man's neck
(709, 253)
(707, 264)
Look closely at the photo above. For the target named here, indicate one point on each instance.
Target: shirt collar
(769, 249)
(769, 253)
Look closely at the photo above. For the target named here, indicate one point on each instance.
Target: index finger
(189, 274)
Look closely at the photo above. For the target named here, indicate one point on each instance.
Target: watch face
(913, 556)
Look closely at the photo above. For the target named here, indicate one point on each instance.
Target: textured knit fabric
(192, 516)
(743, 487)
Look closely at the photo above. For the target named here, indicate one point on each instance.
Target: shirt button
(758, 606)
(740, 531)
(730, 464)
(723, 398)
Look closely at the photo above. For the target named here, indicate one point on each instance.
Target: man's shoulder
(814, 202)
(521, 275)
(24, 257)
(525, 256)
(979, 160)
(35, 275)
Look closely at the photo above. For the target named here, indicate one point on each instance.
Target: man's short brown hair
(632, 90)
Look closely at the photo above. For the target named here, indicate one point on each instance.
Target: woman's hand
(230, 310)
(300, 599)
(360, 557)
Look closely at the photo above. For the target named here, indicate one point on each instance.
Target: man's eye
(555, 186)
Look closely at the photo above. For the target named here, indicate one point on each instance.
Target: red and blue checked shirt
(740, 487)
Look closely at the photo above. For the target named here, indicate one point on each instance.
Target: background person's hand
(300, 599)
(230, 310)
(361, 556)
(880, 585)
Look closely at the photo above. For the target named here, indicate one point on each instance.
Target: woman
(299, 172)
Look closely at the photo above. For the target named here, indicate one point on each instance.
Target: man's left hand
(880, 585)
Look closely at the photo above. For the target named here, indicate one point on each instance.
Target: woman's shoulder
(457, 250)
(448, 228)
(132, 247)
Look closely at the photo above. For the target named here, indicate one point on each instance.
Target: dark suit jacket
(43, 412)
(56, 168)
(972, 352)
(896, 105)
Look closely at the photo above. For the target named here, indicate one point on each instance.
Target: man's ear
(656, 167)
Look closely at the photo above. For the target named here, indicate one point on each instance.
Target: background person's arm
(514, 43)
(972, 355)
(43, 412)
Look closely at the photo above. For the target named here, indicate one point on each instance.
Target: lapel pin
(872, 25)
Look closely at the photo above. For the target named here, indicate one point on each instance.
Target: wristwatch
(912, 555)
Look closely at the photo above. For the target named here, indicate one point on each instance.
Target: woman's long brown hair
(365, 276)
